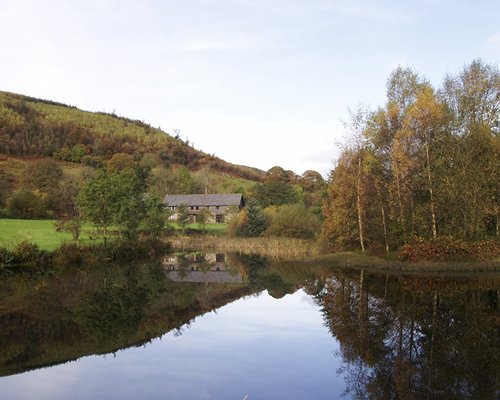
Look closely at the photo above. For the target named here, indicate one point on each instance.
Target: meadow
(38, 231)
(42, 232)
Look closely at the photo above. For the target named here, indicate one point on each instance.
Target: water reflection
(201, 268)
(375, 336)
(415, 337)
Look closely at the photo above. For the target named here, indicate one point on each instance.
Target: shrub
(449, 249)
(293, 221)
(6, 256)
(68, 253)
(26, 252)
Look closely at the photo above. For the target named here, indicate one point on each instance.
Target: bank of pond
(35, 242)
(356, 331)
(421, 256)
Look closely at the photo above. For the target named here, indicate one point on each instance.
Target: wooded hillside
(35, 127)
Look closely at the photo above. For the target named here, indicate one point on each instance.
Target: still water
(233, 327)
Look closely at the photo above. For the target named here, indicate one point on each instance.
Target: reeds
(282, 248)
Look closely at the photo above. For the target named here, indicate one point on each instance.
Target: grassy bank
(42, 233)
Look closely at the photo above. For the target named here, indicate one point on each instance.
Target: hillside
(31, 127)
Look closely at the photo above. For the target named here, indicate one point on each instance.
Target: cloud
(219, 42)
(365, 10)
(494, 40)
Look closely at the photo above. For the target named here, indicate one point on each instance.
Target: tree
(156, 215)
(276, 174)
(43, 175)
(425, 165)
(356, 128)
(164, 181)
(71, 225)
(473, 97)
(112, 198)
(120, 161)
(341, 214)
(311, 181)
(275, 193)
(74, 154)
(4, 191)
(183, 217)
(202, 218)
(421, 127)
(129, 210)
(96, 201)
(254, 222)
(25, 204)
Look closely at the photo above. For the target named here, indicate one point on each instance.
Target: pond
(214, 326)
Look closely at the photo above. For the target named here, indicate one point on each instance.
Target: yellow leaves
(425, 115)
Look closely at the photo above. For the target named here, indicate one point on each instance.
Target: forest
(424, 166)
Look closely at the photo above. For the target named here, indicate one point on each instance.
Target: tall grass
(283, 248)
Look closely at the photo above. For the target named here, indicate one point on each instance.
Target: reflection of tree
(276, 286)
(435, 342)
(49, 318)
(114, 310)
(255, 268)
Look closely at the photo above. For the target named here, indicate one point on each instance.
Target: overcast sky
(256, 82)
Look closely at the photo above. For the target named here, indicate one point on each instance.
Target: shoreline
(277, 249)
(304, 251)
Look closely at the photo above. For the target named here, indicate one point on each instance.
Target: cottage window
(216, 207)
(197, 207)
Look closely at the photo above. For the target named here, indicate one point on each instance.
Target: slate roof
(203, 199)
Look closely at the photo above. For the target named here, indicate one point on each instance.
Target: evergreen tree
(254, 222)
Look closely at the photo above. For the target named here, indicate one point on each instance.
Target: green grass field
(41, 232)
(212, 229)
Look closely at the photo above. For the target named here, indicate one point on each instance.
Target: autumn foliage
(425, 165)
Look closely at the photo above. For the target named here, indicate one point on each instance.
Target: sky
(259, 83)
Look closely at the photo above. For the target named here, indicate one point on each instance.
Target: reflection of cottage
(200, 268)
(221, 206)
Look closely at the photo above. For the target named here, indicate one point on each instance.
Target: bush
(75, 154)
(68, 253)
(6, 256)
(293, 221)
(26, 252)
(449, 249)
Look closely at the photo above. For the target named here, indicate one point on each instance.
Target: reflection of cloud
(48, 383)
